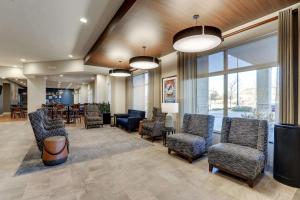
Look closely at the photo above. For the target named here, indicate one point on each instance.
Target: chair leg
(190, 160)
(211, 167)
(169, 151)
(250, 183)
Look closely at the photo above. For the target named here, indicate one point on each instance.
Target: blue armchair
(131, 120)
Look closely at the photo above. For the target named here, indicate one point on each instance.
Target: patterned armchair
(153, 127)
(92, 117)
(195, 138)
(243, 148)
(41, 131)
(51, 123)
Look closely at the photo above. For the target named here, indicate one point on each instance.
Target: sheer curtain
(187, 80)
(154, 91)
(139, 92)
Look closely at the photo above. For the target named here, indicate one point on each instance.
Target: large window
(140, 92)
(239, 82)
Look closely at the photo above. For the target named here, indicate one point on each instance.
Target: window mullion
(225, 100)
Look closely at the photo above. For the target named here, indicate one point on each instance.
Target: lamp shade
(144, 62)
(169, 107)
(197, 39)
(119, 72)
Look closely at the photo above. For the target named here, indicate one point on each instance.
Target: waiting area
(152, 100)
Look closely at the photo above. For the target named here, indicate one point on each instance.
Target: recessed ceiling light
(83, 20)
(15, 66)
(23, 60)
(61, 75)
(70, 56)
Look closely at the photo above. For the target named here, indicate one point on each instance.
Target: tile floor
(148, 174)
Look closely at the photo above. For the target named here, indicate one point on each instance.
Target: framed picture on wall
(169, 89)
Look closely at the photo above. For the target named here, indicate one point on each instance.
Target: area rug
(86, 145)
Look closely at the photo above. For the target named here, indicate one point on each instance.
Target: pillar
(36, 93)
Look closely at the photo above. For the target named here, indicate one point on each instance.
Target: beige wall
(36, 93)
(169, 65)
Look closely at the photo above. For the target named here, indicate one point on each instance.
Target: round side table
(167, 131)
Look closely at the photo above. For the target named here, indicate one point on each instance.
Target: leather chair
(243, 148)
(195, 138)
(152, 128)
(131, 120)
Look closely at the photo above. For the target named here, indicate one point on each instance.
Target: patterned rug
(86, 145)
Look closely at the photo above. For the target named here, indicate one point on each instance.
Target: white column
(118, 95)
(83, 93)
(36, 93)
(101, 88)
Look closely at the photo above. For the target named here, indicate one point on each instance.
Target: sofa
(42, 131)
(243, 148)
(194, 139)
(131, 120)
(152, 128)
(92, 116)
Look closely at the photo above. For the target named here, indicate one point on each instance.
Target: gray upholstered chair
(195, 138)
(152, 128)
(92, 117)
(243, 148)
(51, 123)
(41, 131)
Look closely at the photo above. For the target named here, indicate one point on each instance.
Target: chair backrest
(92, 110)
(36, 121)
(136, 113)
(201, 125)
(246, 132)
(157, 115)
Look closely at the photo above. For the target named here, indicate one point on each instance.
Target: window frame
(226, 71)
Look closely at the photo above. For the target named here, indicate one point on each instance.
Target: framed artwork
(169, 89)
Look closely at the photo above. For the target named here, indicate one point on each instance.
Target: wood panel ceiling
(153, 23)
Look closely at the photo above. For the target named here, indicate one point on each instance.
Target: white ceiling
(45, 30)
(73, 80)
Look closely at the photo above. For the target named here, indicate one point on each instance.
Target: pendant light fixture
(119, 72)
(144, 62)
(197, 38)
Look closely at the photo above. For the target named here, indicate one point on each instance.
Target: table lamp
(169, 108)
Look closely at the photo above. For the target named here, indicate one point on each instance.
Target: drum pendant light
(197, 38)
(144, 62)
(119, 72)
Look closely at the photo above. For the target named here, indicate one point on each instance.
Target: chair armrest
(133, 122)
(121, 115)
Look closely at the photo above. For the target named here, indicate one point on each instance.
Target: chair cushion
(122, 121)
(148, 125)
(94, 118)
(187, 144)
(239, 159)
(244, 132)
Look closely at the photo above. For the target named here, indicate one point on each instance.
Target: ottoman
(55, 150)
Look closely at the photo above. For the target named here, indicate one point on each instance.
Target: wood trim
(126, 5)
(251, 27)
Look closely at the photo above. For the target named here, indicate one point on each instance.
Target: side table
(167, 131)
